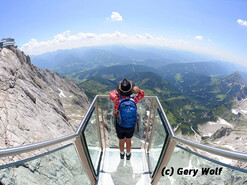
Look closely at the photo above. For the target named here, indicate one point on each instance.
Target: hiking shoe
(128, 156)
(121, 156)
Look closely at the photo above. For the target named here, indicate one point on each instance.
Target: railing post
(98, 123)
(102, 123)
(148, 124)
(164, 159)
(80, 144)
(151, 134)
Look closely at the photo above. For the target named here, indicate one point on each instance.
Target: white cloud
(199, 37)
(68, 41)
(115, 16)
(140, 36)
(242, 22)
(148, 36)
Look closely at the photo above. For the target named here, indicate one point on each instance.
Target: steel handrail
(213, 150)
(27, 148)
(82, 124)
(210, 149)
(168, 125)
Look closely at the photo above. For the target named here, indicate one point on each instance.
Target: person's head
(125, 87)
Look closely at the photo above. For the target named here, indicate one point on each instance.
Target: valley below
(223, 134)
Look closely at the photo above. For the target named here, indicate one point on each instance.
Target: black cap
(125, 87)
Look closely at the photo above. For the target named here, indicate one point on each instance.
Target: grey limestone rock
(35, 104)
(222, 132)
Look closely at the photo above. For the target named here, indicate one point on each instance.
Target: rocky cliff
(35, 104)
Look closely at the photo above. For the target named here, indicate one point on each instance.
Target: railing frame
(152, 108)
(164, 159)
(80, 144)
(151, 135)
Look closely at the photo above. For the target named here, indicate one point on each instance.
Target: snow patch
(61, 94)
(244, 111)
(75, 115)
(3, 53)
(224, 160)
(229, 147)
(148, 113)
(234, 111)
(208, 134)
(220, 121)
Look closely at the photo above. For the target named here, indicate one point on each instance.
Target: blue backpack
(127, 112)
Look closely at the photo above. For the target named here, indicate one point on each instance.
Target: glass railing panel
(225, 160)
(221, 127)
(186, 167)
(110, 131)
(224, 134)
(91, 134)
(60, 166)
(141, 126)
(158, 139)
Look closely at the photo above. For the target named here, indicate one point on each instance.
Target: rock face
(35, 104)
(236, 79)
(221, 132)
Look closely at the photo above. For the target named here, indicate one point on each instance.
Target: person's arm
(113, 95)
(115, 98)
(137, 89)
(140, 94)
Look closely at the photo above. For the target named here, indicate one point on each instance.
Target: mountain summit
(36, 105)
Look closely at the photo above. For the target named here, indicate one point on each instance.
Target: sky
(216, 28)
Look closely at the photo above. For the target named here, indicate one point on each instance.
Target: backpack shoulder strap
(122, 99)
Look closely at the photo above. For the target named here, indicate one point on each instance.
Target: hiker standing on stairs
(125, 113)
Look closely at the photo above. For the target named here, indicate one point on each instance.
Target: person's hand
(136, 89)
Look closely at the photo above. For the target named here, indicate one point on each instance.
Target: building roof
(8, 40)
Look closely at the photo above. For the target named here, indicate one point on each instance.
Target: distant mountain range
(112, 72)
(210, 69)
(80, 59)
(213, 69)
(75, 63)
(69, 61)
